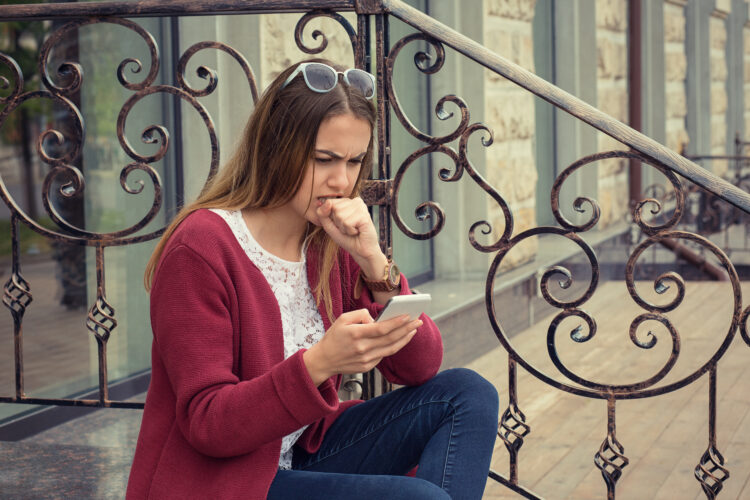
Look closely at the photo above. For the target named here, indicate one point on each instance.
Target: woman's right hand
(355, 343)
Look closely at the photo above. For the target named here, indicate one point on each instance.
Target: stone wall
(279, 50)
(612, 96)
(718, 42)
(509, 112)
(675, 71)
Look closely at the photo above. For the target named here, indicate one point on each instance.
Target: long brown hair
(267, 168)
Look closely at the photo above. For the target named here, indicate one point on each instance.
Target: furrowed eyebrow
(339, 157)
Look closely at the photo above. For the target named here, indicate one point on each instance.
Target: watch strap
(382, 285)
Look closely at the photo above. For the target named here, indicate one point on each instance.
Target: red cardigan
(222, 395)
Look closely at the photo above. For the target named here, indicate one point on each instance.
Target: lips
(322, 199)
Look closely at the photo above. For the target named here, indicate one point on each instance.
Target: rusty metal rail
(383, 192)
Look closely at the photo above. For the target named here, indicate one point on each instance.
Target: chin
(314, 221)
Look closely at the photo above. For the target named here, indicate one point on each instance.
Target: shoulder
(206, 233)
(206, 236)
(201, 227)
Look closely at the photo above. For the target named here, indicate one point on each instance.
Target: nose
(338, 179)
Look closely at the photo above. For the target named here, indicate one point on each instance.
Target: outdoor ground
(663, 437)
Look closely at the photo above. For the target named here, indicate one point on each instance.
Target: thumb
(360, 316)
(328, 225)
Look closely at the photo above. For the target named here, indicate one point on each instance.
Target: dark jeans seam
(383, 424)
(448, 449)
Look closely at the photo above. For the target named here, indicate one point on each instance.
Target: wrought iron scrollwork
(610, 457)
(421, 60)
(299, 30)
(17, 79)
(650, 215)
(73, 72)
(711, 473)
(665, 282)
(428, 64)
(428, 209)
(17, 295)
(63, 172)
(513, 428)
(743, 325)
(611, 460)
(101, 319)
(657, 215)
(61, 150)
(209, 74)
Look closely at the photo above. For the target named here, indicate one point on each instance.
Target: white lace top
(300, 318)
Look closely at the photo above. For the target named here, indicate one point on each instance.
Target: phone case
(413, 305)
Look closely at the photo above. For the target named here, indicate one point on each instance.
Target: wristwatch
(390, 281)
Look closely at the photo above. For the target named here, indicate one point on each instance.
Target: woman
(264, 293)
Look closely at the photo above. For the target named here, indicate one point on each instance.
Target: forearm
(214, 419)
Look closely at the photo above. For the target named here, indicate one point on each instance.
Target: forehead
(344, 134)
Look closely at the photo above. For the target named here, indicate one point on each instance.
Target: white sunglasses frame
(301, 69)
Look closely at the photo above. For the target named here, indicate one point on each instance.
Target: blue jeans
(447, 427)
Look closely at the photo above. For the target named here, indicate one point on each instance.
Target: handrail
(660, 154)
(152, 8)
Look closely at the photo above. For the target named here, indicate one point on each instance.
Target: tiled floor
(86, 458)
(663, 437)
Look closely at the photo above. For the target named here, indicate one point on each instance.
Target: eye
(323, 160)
(355, 161)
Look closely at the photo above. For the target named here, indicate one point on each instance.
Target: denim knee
(470, 388)
(420, 489)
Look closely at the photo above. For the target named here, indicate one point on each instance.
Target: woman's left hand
(348, 223)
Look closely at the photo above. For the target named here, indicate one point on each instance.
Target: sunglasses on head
(322, 78)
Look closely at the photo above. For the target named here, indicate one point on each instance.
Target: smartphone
(413, 305)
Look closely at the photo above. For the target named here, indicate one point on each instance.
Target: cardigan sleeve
(196, 338)
(420, 359)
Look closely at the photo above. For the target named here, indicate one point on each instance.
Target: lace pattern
(300, 318)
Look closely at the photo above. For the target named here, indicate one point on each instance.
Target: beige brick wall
(279, 50)
(612, 97)
(718, 42)
(509, 112)
(675, 70)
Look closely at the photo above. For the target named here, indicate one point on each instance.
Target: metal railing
(383, 192)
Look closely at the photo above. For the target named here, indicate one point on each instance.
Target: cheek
(353, 176)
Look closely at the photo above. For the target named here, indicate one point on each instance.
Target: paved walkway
(86, 458)
(663, 437)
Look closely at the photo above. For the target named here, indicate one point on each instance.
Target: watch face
(394, 274)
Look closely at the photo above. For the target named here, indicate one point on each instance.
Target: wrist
(314, 365)
(375, 266)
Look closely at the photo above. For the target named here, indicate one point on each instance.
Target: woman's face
(340, 147)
